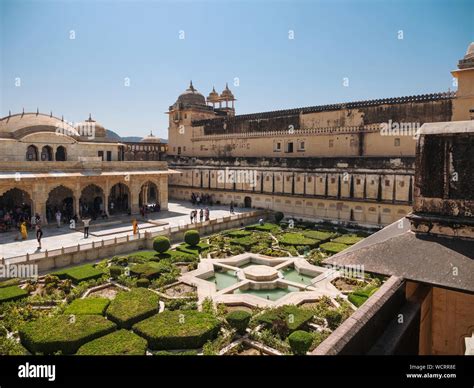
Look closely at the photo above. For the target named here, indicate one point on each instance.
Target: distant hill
(115, 136)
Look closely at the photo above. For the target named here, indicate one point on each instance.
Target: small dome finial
(90, 116)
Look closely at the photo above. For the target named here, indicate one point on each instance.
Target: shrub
(177, 256)
(10, 347)
(81, 273)
(266, 227)
(152, 269)
(143, 282)
(348, 239)
(131, 307)
(161, 244)
(319, 235)
(88, 306)
(357, 300)
(279, 217)
(300, 342)
(238, 233)
(60, 334)
(191, 237)
(239, 320)
(178, 329)
(9, 282)
(295, 317)
(121, 342)
(115, 271)
(8, 294)
(332, 247)
(296, 239)
(333, 318)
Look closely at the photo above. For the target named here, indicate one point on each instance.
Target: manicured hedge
(246, 242)
(296, 318)
(151, 269)
(191, 237)
(359, 296)
(348, 240)
(60, 334)
(266, 227)
(192, 249)
(177, 256)
(278, 217)
(115, 271)
(318, 235)
(88, 306)
(300, 342)
(178, 329)
(332, 247)
(121, 342)
(238, 233)
(79, 274)
(161, 244)
(131, 307)
(296, 239)
(8, 294)
(10, 282)
(239, 320)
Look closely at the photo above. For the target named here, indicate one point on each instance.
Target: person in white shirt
(58, 218)
(86, 222)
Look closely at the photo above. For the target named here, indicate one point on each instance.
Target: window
(331, 143)
(61, 154)
(301, 146)
(358, 181)
(288, 178)
(289, 147)
(333, 180)
(184, 148)
(387, 182)
(32, 153)
(179, 150)
(278, 146)
(310, 179)
(396, 142)
(100, 154)
(109, 156)
(267, 178)
(47, 154)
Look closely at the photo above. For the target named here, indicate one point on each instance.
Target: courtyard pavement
(55, 238)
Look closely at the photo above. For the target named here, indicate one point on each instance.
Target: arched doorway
(91, 203)
(61, 154)
(17, 203)
(32, 153)
(248, 202)
(47, 154)
(119, 199)
(60, 198)
(149, 195)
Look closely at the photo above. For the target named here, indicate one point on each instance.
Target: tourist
(232, 207)
(201, 215)
(135, 226)
(195, 216)
(260, 221)
(111, 207)
(86, 222)
(206, 214)
(58, 218)
(191, 216)
(24, 230)
(33, 221)
(39, 234)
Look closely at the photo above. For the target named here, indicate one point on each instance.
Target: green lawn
(7, 294)
(88, 306)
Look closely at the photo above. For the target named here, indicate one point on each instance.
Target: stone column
(106, 195)
(39, 196)
(163, 192)
(134, 196)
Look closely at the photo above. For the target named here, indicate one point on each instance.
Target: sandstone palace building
(352, 162)
(48, 164)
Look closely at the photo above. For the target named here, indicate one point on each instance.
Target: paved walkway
(55, 238)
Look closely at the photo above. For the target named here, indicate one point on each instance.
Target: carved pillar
(163, 192)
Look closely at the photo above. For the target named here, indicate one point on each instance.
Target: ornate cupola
(213, 97)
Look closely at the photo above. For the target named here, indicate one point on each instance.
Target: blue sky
(139, 40)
